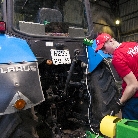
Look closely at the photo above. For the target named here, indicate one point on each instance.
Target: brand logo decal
(17, 69)
(133, 51)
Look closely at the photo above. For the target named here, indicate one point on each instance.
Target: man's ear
(112, 39)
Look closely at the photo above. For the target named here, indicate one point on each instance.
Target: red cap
(101, 39)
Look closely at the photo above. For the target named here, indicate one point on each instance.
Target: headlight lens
(20, 104)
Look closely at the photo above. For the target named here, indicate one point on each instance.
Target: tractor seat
(49, 15)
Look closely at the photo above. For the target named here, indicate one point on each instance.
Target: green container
(127, 129)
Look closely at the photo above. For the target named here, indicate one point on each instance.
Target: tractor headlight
(20, 104)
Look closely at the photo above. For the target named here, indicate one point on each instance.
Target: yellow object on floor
(108, 125)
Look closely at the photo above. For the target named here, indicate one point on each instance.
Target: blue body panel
(94, 58)
(13, 50)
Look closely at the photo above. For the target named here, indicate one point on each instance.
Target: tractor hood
(20, 86)
(14, 50)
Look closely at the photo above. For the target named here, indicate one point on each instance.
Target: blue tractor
(52, 81)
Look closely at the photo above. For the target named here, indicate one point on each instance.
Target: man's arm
(131, 88)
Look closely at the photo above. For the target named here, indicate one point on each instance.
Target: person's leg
(130, 110)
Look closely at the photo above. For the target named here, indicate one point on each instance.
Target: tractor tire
(18, 125)
(104, 93)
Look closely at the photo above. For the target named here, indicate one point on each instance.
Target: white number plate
(60, 56)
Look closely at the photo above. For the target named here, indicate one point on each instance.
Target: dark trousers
(130, 110)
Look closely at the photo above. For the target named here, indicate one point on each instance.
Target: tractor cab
(54, 18)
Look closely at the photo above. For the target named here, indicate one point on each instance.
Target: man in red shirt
(125, 61)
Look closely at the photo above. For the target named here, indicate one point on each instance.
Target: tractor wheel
(18, 125)
(104, 93)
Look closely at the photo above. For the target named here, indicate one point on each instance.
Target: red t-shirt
(125, 60)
